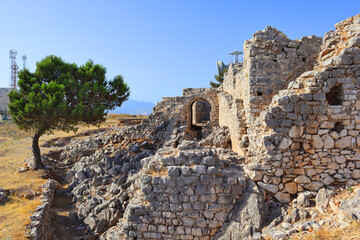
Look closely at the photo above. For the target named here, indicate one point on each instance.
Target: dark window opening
(259, 93)
(334, 96)
(304, 59)
(338, 127)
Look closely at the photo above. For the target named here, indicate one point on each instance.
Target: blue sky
(159, 46)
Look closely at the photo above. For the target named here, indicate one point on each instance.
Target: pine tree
(60, 95)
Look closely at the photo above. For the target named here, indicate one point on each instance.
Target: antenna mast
(13, 69)
(24, 58)
(236, 53)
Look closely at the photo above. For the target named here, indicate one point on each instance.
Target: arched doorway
(200, 113)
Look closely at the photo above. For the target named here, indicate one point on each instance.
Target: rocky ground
(103, 173)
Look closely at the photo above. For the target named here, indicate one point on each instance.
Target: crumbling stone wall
(183, 194)
(40, 227)
(271, 61)
(295, 138)
(200, 112)
(302, 141)
(203, 94)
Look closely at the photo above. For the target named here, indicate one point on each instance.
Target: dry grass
(15, 146)
(352, 232)
(14, 216)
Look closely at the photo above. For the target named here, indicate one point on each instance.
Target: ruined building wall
(309, 136)
(271, 61)
(182, 194)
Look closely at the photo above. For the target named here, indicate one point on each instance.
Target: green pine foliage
(60, 95)
(219, 79)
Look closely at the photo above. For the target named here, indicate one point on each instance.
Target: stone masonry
(292, 109)
(308, 137)
(285, 121)
(183, 194)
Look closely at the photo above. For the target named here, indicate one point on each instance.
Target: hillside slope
(135, 107)
(3, 98)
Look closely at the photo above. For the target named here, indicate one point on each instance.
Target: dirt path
(61, 210)
(65, 223)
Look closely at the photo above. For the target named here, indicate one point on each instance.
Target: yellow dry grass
(14, 216)
(15, 146)
(351, 232)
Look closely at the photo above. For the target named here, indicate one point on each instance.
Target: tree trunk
(36, 152)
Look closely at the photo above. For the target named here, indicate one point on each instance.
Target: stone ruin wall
(302, 141)
(206, 94)
(40, 225)
(271, 61)
(296, 140)
(182, 194)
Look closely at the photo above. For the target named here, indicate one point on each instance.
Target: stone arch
(200, 112)
(212, 100)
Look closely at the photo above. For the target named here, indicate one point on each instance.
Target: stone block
(333, 166)
(305, 109)
(355, 174)
(329, 142)
(314, 186)
(310, 172)
(285, 143)
(208, 161)
(296, 131)
(186, 171)
(340, 159)
(344, 142)
(254, 175)
(290, 187)
(279, 172)
(317, 142)
(322, 75)
(167, 161)
(189, 222)
(343, 59)
(327, 124)
(174, 171)
(299, 171)
(302, 179)
(269, 187)
(199, 169)
(282, 197)
(320, 96)
(328, 180)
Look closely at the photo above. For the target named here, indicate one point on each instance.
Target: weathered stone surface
(344, 142)
(282, 197)
(355, 174)
(303, 199)
(322, 199)
(314, 186)
(302, 179)
(351, 207)
(317, 142)
(328, 180)
(285, 143)
(250, 211)
(329, 142)
(296, 131)
(340, 159)
(291, 187)
(269, 187)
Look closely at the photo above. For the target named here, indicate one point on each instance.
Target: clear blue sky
(159, 46)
